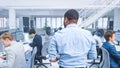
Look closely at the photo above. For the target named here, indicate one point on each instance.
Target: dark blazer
(37, 41)
(114, 55)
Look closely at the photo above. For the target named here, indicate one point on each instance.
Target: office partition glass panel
(54, 23)
(49, 22)
(59, 22)
(38, 23)
(43, 22)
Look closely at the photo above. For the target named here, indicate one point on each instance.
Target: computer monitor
(19, 36)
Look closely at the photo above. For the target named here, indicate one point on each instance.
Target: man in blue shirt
(72, 45)
(110, 47)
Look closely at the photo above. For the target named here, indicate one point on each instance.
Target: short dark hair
(48, 30)
(32, 31)
(72, 14)
(108, 34)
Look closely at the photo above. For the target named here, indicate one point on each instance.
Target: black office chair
(39, 61)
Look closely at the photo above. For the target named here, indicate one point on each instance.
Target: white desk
(27, 48)
(117, 48)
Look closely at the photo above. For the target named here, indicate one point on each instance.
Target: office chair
(96, 61)
(104, 59)
(33, 57)
(39, 62)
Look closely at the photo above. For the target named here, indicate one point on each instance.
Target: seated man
(109, 46)
(15, 57)
(37, 42)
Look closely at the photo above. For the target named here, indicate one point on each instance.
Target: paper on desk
(117, 48)
(27, 48)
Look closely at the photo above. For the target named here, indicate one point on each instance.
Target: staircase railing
(110, 4)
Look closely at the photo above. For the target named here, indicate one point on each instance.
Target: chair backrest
(33, 57)
(46, 46)
(105, 61)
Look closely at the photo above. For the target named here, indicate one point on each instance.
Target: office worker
(15, 57)
(72, 45)
(37, 42)
(109, 46)
(99, 37)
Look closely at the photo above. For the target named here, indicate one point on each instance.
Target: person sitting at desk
(109, 46)
(37, 42)
(15, 57)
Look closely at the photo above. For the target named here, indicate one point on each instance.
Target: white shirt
(15, 57)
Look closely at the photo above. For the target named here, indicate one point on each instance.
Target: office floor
(53, 65)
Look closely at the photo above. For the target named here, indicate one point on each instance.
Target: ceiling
(45, 7)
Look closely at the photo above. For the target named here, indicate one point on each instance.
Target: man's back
(20, 56)
(37, 41)
(73, 46)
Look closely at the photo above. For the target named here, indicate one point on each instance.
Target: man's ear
(110, 38)
(66, 20)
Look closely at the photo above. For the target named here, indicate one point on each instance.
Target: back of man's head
(72, 14)
(32, 31)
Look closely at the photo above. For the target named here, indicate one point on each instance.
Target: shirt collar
(12, 43)
(71, 25)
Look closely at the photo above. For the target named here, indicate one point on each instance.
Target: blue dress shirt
(114, 55)
(73, 45)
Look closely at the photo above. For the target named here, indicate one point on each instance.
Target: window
(38, 23)
(59, 22)
(102, 23)
(48, 22)
(54, 23)
(3, 23)
(42, 22)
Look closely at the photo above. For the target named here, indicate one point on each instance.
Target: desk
(117, 48)
(27, 48)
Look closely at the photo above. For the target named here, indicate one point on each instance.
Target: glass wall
(102, 23)
(3, 23)
(53, 22)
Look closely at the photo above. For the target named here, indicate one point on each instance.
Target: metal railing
(91, 15)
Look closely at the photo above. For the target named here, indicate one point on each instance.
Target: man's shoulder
(107, 45)
(37, 36)
(87, 32)
(84, 30)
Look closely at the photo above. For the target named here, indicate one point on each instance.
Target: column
(12, 19)
(116, 19)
